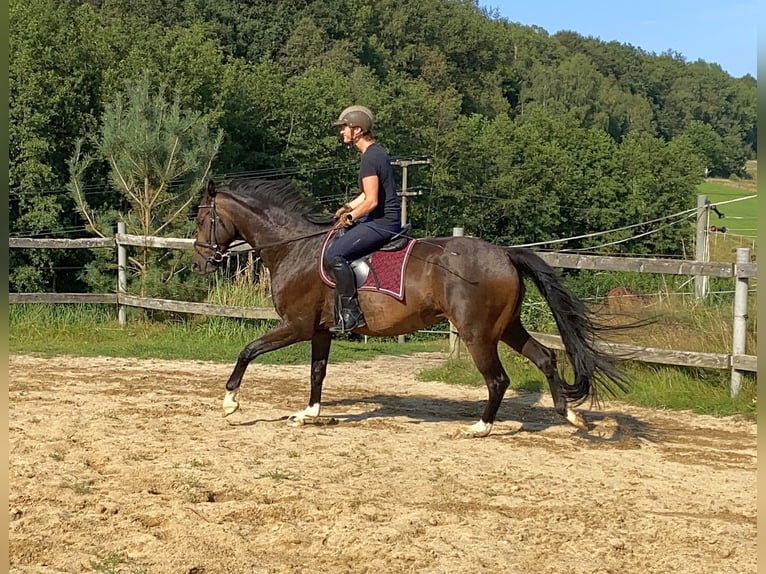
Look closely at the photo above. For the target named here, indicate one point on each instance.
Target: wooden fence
(740, 272)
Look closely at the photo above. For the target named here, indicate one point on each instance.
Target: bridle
(220, 254)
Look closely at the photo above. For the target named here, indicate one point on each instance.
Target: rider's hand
(342, 211)
(347, 220)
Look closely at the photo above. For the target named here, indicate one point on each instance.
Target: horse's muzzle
(204, 265)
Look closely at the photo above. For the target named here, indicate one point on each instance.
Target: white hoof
(478, 429)
(300, 418)
(576, 419)
(230, 402)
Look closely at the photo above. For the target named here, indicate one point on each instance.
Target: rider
(370, 219)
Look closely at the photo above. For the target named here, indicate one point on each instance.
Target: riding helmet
(356, 116)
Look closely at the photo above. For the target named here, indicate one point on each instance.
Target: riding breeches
(358, 241)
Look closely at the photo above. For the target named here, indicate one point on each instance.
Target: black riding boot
(346, 303)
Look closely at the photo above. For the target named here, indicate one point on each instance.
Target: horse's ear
(211, 188)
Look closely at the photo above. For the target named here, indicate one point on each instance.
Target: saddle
(381, 270)
(399, 240)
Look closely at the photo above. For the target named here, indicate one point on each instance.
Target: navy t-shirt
(375, 161)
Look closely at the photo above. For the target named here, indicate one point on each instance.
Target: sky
(722, 32)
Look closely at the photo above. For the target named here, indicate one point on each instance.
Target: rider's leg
(357, 241)
(346, 301)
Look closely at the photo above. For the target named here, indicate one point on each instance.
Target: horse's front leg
(320, 351)
(280, 336)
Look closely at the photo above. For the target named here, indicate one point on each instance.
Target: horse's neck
(283, 246)
(287, 242)
(297, 258)
(259, 228)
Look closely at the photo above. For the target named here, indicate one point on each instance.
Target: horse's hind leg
(517, 337)
(487, 361)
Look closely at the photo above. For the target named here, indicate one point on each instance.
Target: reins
(219, 254)
(291, 240)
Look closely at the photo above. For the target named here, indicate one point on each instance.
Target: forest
(121, 109)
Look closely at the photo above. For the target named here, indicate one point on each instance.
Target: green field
(740, 216)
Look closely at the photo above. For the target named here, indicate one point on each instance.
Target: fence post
(701, 251)
(454, 336)
(739, 329)
(122, 277)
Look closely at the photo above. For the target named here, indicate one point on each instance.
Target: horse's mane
(280, 193)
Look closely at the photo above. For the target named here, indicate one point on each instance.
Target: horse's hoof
(577, 420)
(230, 403)
(299, 419)
(478, 429)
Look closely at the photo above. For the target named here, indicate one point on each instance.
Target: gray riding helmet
(356, 116)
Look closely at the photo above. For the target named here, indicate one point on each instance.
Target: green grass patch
(117, 563)
(704, 391)
(93, 330)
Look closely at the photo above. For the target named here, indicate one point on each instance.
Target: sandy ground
(122, 465)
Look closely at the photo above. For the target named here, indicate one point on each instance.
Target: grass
(728, 195)
(91, 331)
(277, 475)
(78, 487)
(703, 391)
(116, 563)
(738, 213)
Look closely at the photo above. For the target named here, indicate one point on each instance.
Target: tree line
(120, 108)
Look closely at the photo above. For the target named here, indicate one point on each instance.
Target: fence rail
(554, 259)
(740, 271)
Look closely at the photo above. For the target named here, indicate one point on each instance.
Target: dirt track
(120, 465)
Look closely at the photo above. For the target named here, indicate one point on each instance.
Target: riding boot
(346, 302)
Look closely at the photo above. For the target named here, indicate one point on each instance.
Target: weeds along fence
(740, 272)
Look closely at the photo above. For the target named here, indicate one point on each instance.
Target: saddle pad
(386, 270)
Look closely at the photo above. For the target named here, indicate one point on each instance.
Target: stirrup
(355, 321)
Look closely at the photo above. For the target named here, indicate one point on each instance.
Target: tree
(159, 156)
(53, 89)
(707, 143)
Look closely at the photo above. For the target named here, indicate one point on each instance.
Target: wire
(688, 213)
(631, 238)
(743, 198)
(599, 233)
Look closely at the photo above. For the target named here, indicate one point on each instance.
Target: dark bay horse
(476, 285)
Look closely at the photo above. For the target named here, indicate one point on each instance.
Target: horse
(477, 285)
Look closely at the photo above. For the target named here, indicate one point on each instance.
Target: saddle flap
(382, 271)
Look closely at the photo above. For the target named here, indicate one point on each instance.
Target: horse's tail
(594, 370)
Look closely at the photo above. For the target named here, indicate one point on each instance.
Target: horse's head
(214, 235)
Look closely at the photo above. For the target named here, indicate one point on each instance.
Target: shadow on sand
(523, 407)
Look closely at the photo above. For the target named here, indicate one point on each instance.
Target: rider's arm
(366, 201)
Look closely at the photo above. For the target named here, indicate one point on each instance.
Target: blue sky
(723, 32)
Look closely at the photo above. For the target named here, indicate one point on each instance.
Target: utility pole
(404, 192)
